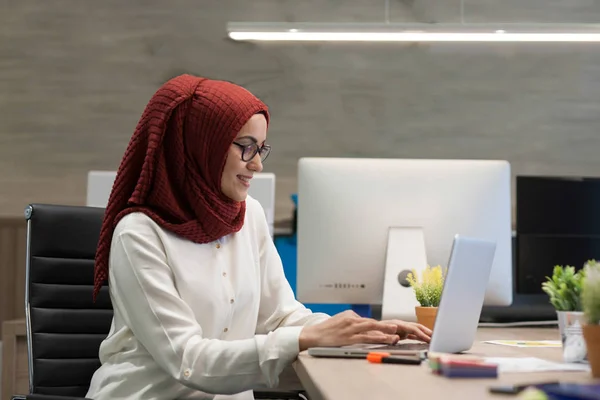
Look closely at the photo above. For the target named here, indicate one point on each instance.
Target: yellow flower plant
(428, 290)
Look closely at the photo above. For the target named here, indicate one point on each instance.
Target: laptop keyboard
(404, 346)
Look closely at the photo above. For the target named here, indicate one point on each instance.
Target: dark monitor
(558, 222)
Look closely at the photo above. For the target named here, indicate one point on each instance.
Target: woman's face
(237, 174)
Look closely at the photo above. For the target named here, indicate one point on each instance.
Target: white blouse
(197, 321)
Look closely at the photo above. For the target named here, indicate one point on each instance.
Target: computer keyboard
(404, 346)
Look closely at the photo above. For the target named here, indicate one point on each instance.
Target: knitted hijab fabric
(172, 168)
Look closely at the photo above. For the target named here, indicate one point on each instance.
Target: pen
(516, 389)
(386, 358)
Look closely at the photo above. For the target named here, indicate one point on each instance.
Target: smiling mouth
(245, 180)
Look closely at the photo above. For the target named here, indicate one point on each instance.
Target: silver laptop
(460, 307)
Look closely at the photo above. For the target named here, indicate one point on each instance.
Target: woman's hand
(411, 330)
(348, 328)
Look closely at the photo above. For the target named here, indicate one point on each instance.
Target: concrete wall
(75, 76)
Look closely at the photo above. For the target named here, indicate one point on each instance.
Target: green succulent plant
(428, 289)
(591, 293)
(564, 288)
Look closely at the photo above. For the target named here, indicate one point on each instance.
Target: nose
(255, 164)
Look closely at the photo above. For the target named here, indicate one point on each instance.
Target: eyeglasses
(249, 151)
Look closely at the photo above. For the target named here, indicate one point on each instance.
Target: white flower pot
(570, 325)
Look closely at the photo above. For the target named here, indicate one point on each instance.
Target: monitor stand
(405, 253)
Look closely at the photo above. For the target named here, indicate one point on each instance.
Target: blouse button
(186, 373)
(218, 245)
(225, 330)
(224, 273)
(231, 301)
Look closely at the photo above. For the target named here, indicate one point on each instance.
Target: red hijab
(171, 170)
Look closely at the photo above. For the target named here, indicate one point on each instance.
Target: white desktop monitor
(348, 208)
(99, 185)
(262, 188)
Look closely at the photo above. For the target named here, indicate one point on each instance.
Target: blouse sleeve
(278, 306)
(144, 293)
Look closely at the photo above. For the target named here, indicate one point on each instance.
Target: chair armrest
(45, 397)
(275, 394)
(272, 394)
(280, 394)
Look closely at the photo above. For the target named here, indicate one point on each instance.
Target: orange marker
(386, 358)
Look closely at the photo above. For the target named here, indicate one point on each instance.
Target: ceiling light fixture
(418, 32)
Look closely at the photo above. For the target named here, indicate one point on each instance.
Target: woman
(202, 308)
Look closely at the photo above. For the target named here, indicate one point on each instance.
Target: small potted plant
(591, 309)
(564, 290)
(428, 291)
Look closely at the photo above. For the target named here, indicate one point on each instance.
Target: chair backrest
(64, 325)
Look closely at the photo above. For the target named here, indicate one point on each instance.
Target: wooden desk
(15, 375)
(13, 241)
(333, 379)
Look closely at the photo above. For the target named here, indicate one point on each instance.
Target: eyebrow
(249, 137)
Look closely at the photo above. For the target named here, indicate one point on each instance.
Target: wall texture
(76, 75)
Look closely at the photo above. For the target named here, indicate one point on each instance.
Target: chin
(241, 197)
(237, 196)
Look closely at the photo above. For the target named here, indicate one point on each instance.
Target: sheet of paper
(527, 343)
(533, 364)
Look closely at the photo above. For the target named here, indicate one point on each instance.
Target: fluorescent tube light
(396, 32)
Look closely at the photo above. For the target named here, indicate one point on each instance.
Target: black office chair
(64, 326)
